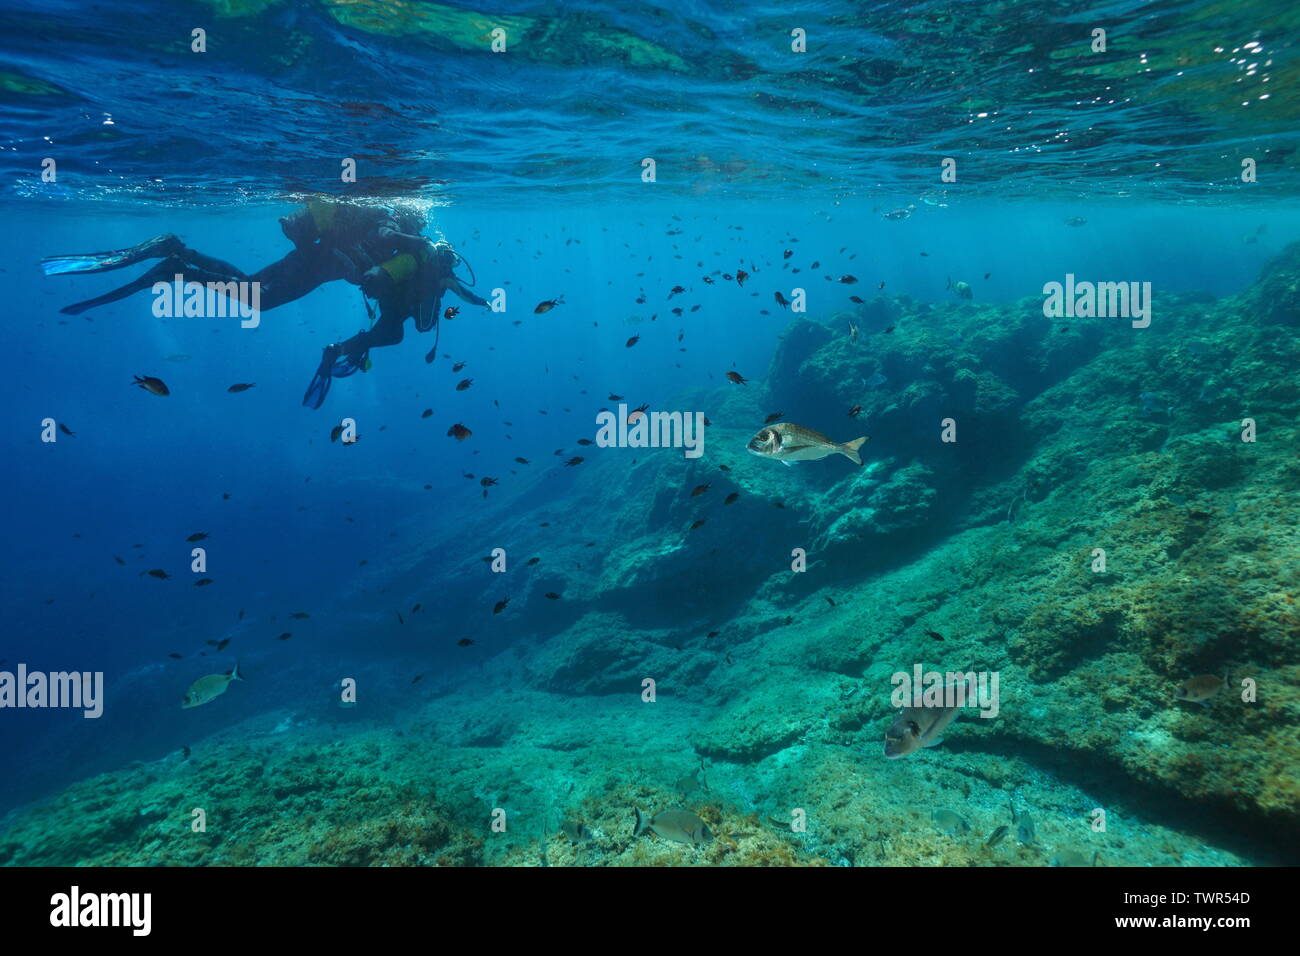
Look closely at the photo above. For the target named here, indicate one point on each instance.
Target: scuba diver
(333, 239)
(410, 284)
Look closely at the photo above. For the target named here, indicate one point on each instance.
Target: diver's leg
(164, 271)
(295, 275)
(386, 332)
(342, 359)
(155, 248)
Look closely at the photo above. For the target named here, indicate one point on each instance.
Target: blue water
(529, 164)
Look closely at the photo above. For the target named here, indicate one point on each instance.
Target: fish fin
(786, 463)
(234, 674)
(933, 743)
(641, 824)
(850, 449)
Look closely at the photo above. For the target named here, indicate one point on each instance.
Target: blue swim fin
(317, 390)
(155, 248)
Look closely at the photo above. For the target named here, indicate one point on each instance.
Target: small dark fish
(464, 384)
(243, 387)
(934, 634)
(987, 274)
(225, 496)
(552, 596)
(335, 432)
(416, 678)
(615, 398)
(487, 482)
(464, 642)
(721, 467)
(781, 300)
(458, 366)
(175, 657)
(889, 329)
(857, 299)
(500, 605)
(585, 441)
(997, 836)
(285, 636)
(787, 254)
(737, 378)
(66, 430)
(632, 341)
(855, 411)
(458, 432)
(450, 312)
(774, 417)
(676, 290)
(831, 602)
(400, 620)
(698, 524)
(532, 561)
(198, 536)
(300, 615)
(848, 280)
(118, 560)
(185, 751)
(202, 582)
(731, 498)
(699, 490)
(154, 386)
(741, 276)
(547, 305)
(158, 573)
(523, 461)
(881, 286)
(416, 608)
(575, 460)
(426, 413)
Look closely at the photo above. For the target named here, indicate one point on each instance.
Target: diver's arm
(455, 285)
(401, 241)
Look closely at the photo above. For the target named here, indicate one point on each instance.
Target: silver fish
(787, 443)
(918, 727)
(680, 826)
(950, 822)
(209, 688)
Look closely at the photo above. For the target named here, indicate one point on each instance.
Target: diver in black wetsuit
(409, 285)
(332, 240)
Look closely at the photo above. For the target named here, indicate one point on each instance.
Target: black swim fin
(156, 248)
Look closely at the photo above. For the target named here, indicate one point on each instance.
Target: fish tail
(234, 674)
(641, 824)
(850, 449)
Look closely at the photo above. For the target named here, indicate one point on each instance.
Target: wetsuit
(333, 240)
